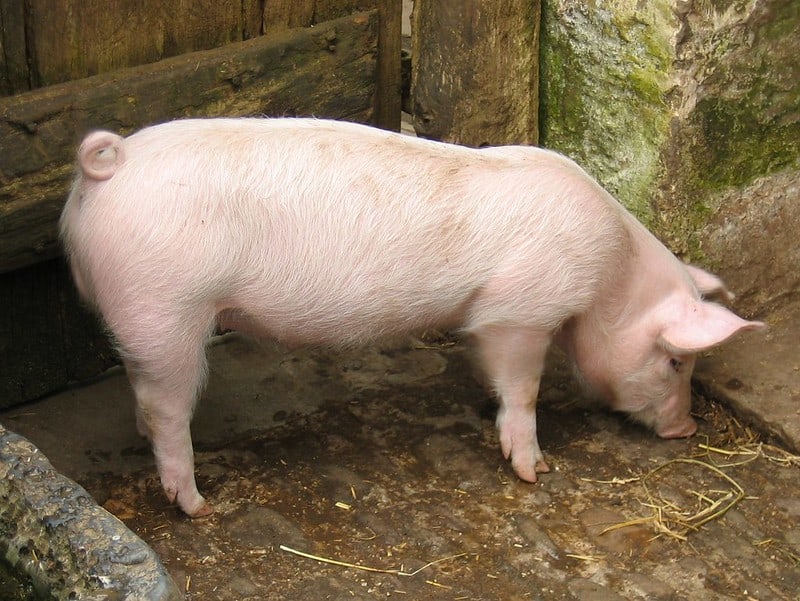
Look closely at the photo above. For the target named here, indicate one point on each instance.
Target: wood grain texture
(389, 78)
(45, 42)
(47, 337)
(328, 70)
(475, 70)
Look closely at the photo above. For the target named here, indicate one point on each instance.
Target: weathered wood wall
(47, 338)
(74, 65)
(44, 42)
(475, 73)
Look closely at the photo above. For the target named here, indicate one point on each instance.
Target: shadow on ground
(388, 458)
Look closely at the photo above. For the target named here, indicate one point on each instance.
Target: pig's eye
(675, 364)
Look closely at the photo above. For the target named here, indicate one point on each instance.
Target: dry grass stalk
(717, 503)
(346, 564)
(669, 519)
(587, 558)
(750, 451)
(780, 548)
(614, 480)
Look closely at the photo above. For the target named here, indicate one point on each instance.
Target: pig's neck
(623, 310)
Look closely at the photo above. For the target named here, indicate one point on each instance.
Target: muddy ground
(389, 459)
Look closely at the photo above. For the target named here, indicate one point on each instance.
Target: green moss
(742, 142)
(646, 84)
(720, 6)
(644, 37)
(604, 102)
(658, 51)
(603, 75)
(561, 106)
(784, 23)
(748, 125)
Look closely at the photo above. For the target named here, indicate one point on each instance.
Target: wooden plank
(475, 70)
(70, 39)
(206, 24)
(45, 42)
(47, 338)
(283, 14)
(325, 10)
(279, 14)
(328, 70)
(14, 73)
(388, 99)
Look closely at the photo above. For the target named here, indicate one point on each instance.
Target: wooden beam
(475, 70)
(328, 70)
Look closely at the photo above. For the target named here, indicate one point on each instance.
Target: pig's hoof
(204, 510)
(529, 471)
(197, 507)
(198, 510)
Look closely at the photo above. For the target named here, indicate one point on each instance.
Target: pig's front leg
(141, 421)
(514, 359)
(163, 413)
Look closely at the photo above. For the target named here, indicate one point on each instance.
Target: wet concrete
(387, 458)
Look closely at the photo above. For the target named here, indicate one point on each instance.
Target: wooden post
(475, 70)
(389, 80)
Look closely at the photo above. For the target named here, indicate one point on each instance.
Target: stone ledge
(758, 375)
(52, 531)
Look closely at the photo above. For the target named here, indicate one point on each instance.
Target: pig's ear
(708, 284)
(701, 325)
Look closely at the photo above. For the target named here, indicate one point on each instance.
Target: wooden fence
(67, 66)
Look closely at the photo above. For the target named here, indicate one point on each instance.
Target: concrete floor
(388, 457)
(758, 376)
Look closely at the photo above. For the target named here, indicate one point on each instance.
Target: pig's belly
(342, 319)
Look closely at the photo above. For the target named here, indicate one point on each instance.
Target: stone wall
(689, 112)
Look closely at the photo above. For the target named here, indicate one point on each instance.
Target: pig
(310, 231)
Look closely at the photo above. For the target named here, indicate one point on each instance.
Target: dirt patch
(409, 479)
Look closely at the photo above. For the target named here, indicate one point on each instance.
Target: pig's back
(306, 225)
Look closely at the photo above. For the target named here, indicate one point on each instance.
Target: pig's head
(643, 364)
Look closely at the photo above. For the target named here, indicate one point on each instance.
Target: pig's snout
(682, 429)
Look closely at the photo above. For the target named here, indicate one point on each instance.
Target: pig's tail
(101, 154)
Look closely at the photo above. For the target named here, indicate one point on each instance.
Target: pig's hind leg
(513, 359)
(167, 378)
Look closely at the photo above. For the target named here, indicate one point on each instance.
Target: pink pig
(313, 231)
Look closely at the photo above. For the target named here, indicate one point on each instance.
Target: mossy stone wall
(604, 77)
(689, 112)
